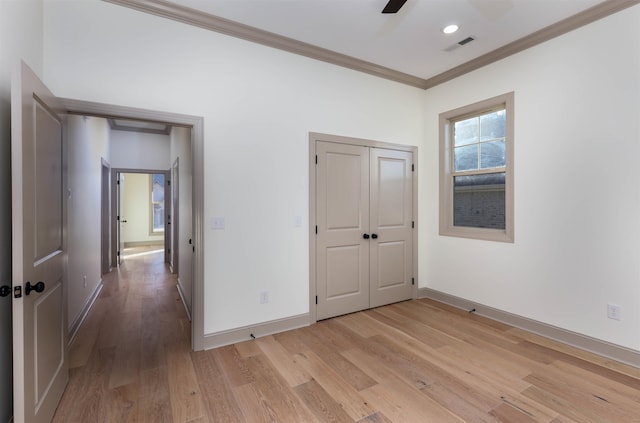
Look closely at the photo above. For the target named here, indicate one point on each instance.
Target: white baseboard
(583, 342)
(75, 325)
(184, 303)
(228, 337)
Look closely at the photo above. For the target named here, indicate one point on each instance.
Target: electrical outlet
(264, 297)
(614, 312)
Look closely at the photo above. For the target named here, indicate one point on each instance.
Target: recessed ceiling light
(450, 29)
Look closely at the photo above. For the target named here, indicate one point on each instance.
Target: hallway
(118, 361)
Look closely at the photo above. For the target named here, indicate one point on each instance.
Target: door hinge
(118, 218)
(117, 181)
(413, 224)
(169, 251)
(413, 168)
(316, 299)
(316, 229)
(316, 159)
(413, 281)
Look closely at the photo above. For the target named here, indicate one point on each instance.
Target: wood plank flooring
(416, 361)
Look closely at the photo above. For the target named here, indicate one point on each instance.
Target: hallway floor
(118, 360)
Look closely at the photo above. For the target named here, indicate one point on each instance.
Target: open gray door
(121, 219)
(40, 339)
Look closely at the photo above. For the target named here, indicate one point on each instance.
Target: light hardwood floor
(416, 361)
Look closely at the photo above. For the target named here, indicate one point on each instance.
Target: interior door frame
(115, 206)
(314, 137)
(105, 218)
(174, 208)
(196, 125)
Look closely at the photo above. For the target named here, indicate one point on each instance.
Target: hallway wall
(139, 150)
(88, 143)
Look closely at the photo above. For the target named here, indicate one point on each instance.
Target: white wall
(139, 150)
(577, 198)
(259, 105)
(181, 150)
(88, 144)
(136, 210)
(20, 38)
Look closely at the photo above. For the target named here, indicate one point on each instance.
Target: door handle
(365, 236)
(5, 290)
(374, 236)
(39, 287)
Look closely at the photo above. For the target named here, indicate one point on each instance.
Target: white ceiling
(411, 41)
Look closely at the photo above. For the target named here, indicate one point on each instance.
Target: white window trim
(446, 172)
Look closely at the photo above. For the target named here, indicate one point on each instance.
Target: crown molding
(213, 23)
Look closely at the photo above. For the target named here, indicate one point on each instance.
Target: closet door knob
(39, 287)
(365, 236)
(374, 236)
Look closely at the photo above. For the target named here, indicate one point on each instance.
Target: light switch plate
(217, 222)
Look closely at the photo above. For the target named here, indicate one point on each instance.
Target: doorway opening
(192, 128)
(142, 215)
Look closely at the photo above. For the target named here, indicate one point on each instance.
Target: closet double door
(364, 241)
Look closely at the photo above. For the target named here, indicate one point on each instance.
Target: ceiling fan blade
(393, 6)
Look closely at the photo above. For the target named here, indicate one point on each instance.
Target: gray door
(175, 217)
(40, 368)
(121, 220)
(364, 215)
(391, 212)
(342, 187)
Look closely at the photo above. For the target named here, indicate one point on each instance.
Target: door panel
(49, 350)
(342, 279)
(40, 338)
(48, 182)
(344, 182)
(391, 264)
(343, 271)
(392, 220)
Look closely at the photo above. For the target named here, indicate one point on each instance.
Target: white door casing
(40, 335)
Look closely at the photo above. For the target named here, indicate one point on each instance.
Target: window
(476, 170)
(157, 203)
